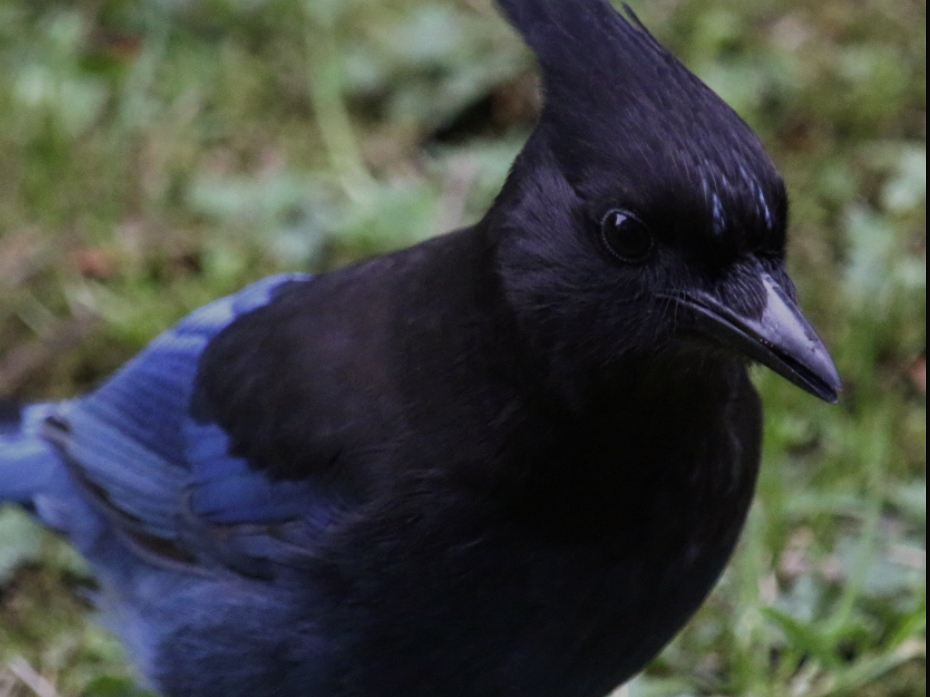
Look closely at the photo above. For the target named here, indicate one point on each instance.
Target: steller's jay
(508, 462)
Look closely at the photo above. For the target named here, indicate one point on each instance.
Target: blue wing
(153, 499)
(159, 475)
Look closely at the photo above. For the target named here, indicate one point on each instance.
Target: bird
(509, 461)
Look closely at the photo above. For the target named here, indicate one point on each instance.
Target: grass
(156, 155)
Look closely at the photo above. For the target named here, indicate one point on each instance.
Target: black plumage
(511, 460)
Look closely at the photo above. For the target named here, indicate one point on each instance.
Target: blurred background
(157, 154)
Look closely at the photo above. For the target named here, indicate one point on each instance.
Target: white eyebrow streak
(710, 194)
(719, 219)
(760, 195)
(765, 206)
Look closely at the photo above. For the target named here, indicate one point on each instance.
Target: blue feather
(135, 444)
(28, 464)
(130, 460)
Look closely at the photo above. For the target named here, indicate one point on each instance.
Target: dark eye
(626, 236)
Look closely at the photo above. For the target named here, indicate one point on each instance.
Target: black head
(644, 213)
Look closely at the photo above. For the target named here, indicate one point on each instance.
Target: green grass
(156, 155)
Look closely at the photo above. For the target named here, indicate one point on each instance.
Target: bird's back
(459, 562)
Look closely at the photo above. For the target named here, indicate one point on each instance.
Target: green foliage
(158, 154)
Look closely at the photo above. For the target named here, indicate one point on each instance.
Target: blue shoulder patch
(135, 441)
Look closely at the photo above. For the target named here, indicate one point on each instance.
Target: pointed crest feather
(617, 101)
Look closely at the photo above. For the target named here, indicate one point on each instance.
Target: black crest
(620, 104)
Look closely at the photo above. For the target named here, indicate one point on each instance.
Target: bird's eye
(626, 236)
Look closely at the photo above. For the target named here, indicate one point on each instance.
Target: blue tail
(28, 464)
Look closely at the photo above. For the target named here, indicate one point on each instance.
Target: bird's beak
(781, 338)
